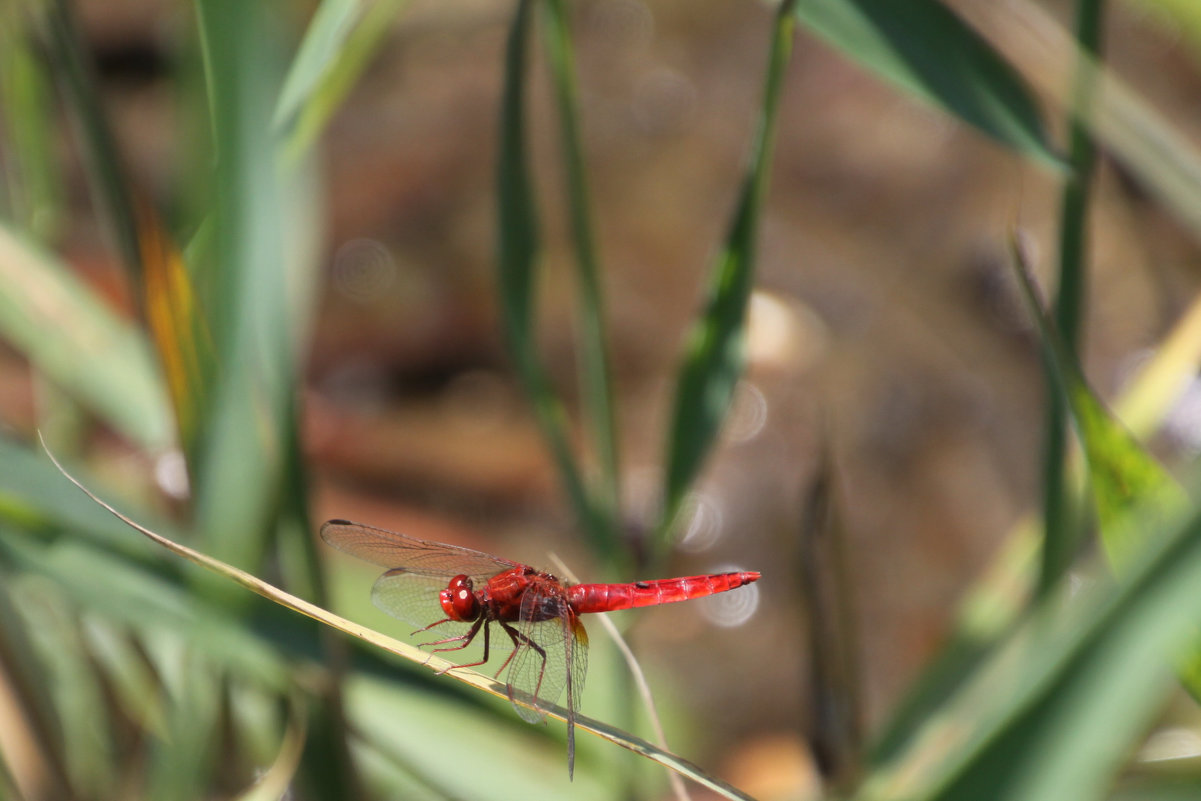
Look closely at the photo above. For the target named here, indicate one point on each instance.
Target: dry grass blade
(409, 652)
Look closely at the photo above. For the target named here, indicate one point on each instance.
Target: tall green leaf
(262, 283)
(162, 287)
(1155, 153)
(594, 370)
(714, 353)
(922, 48)
(32, 186)
(1122, 474)
(519, 246)
(1063, 529)
(69, 333)
(1052, 714)
(338, 44)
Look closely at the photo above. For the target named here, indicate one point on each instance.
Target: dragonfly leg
(520, 639)
(466, 640)
(430, 626)
(516, 637)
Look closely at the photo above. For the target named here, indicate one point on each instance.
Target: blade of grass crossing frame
(714, 357)
(245, 439)
(1123, 476)
(518, 252)
(1054, 714)
(33, 184)
(276, 781)
(924, 49)
(1122, 473)
(1161, 158)
(185, 759)
(999, 597)
(322, 46)
(72, 336)
(340, 41)
(163, 286)
(1177, 17)
(1063, 527)
(31, 715)
(102, 157)
(83, 714)
(594, 359)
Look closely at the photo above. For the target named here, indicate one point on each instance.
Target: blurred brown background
(885, 323)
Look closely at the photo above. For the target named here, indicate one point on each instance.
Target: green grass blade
(162, 286)
(591, 341)
(73, 338)
(34, 715)
(150, 604)
(34, 499)
(104, 165)
(134, 683)
(32, 183)
(276, 781)
(323, 43)
(1063, 528)
(84, 717)
(260, 288)
(714, 353)
(1161, 158)
(998, 599)
(338, 45)
(518, 254)
(184, 761)
(1123, 475)
(1053, 713)
(922, 48)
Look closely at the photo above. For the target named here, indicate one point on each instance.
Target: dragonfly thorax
(458, 600)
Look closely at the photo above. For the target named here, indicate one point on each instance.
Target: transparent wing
(418, 557)
(553, 653)
(413, 598)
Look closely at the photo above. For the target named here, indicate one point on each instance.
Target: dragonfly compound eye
(458, 599)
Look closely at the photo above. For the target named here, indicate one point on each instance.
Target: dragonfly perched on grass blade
(519, 610)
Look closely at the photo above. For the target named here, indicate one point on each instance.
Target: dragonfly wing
(411, 597)
(418, 557)
(553, 643)
(579, 664)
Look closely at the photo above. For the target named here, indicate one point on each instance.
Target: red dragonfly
(463, 592)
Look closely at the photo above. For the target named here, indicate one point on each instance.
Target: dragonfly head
(459, 601)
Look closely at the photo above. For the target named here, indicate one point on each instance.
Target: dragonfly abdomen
(585, 598)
